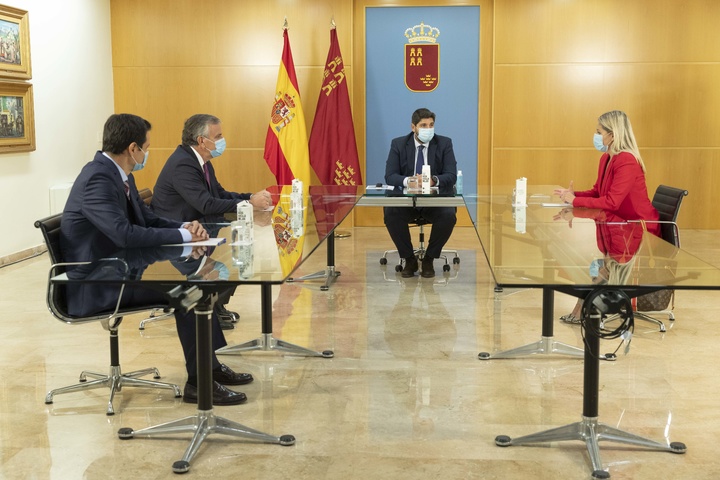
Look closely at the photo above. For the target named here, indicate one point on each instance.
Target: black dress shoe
(428, 271)
(224, 312)
(221, 395)
(226, 376)
(226, 323)
(411, 266)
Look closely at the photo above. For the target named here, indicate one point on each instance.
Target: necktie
(420, 160)
(127, 189)
(207, 173)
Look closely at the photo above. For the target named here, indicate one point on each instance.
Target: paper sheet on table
(210, 242)
(563, 205)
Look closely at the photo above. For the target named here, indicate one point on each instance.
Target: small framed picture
(14, 44)
(17, 119)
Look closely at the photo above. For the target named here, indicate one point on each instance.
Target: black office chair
(667, 201)
(57, 304)
(420, 250)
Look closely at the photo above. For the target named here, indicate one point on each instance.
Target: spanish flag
(286, 144)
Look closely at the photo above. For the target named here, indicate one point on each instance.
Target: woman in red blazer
(620, 188)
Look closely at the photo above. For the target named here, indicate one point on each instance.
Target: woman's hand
(567, 195)
(565, 214)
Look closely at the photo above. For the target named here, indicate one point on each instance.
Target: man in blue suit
(404, 163)
(104, 213)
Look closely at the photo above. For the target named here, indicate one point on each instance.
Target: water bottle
(425, 179)
(459, 183)
(242, 228)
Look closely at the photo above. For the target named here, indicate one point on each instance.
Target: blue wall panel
(389, 103)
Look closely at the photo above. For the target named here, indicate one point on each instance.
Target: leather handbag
(660, 299)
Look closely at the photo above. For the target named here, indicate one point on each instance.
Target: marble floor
(405, 396)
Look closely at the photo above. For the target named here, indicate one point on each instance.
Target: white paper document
(210, 242)
(563, 205)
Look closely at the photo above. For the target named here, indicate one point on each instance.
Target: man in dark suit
(104, 213)
(404, 163)
(188, 189)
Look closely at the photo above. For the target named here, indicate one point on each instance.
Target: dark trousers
(442, 219)
(185, 321)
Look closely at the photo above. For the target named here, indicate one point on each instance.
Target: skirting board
(22, 255)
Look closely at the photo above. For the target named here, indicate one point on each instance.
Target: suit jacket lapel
(139, 218)
(410, 157)
(213, 180)
(432, 148)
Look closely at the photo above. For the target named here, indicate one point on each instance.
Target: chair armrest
(64, 316)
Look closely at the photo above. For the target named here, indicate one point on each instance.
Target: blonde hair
(618, 123)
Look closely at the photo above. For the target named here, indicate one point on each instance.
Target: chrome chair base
(115, 380)
(156, 315)
(203, 424)
(590, 431)
(420, 253)
(544, 346)
(267, 342)
(329, 274)
(644, 316)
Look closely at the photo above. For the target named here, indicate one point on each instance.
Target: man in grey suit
(404, 163)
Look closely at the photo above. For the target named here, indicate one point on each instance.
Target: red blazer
(620, 189)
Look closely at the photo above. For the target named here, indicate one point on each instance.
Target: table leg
(266, 341)
(329, 274)
(205, 422)
(589, 430)
(546, 345)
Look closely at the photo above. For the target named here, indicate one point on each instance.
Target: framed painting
(17, 119)
(14, 43)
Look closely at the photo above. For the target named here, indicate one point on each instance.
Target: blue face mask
(219, 147)
(425, 134)
(222, 269)
(139, 166)
(598, 142)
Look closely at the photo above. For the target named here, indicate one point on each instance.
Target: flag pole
(338, 233)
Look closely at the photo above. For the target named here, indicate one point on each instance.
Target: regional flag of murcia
(422, 58)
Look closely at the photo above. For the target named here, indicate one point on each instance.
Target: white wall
(72, 84)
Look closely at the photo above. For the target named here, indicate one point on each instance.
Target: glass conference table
(283, 239)
(536, 246)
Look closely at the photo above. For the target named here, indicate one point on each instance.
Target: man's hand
(261, 200)
(197, 252)
(196, 230)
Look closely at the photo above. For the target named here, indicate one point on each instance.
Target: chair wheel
(383, 261)
(398, 268)
(456, 260)
(446, 268)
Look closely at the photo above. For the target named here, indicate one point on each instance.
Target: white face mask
(425, 134)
